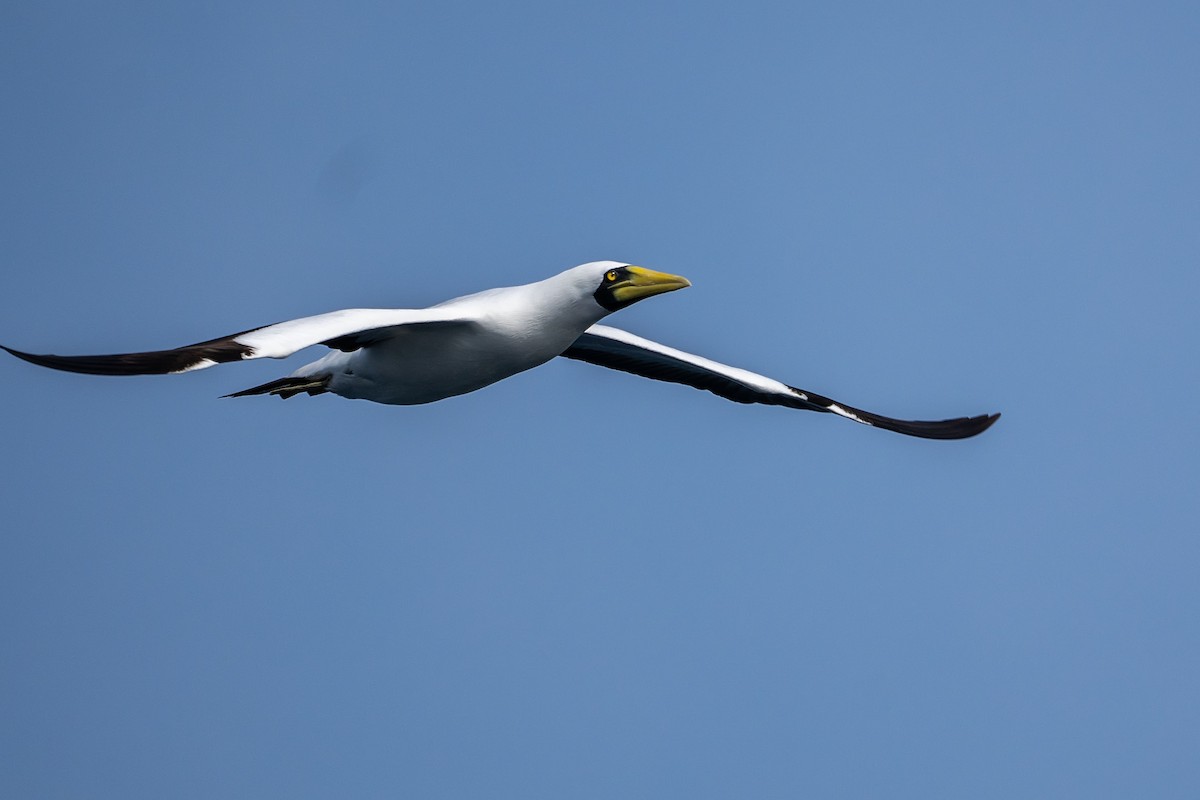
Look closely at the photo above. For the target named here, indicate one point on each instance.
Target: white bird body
(413, 356)
(505, 331)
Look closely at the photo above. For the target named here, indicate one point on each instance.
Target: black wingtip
(53, 362)
(959, 428)
(973, 426)
(85, 365)
(156, 362)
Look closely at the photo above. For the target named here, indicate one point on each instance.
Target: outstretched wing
(617, 349)
(349, 329)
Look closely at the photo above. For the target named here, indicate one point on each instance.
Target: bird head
(615, 285)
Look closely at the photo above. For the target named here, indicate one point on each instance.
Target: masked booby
(412, 356)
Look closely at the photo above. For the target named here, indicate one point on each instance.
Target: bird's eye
(612, 275)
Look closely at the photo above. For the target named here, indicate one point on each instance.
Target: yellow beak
(642, 283)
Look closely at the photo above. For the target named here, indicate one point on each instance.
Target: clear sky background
(577, 583)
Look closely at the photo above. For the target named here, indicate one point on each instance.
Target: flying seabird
(409, 356)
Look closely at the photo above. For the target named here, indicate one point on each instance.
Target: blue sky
(576, 583)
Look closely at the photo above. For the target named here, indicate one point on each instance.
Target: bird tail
(289, 387)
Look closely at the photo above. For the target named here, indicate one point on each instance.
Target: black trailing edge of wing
(644, 363)
(625, 357)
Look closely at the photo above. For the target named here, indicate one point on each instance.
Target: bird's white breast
(513, 330)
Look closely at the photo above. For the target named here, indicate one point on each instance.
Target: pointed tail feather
(288, 387)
